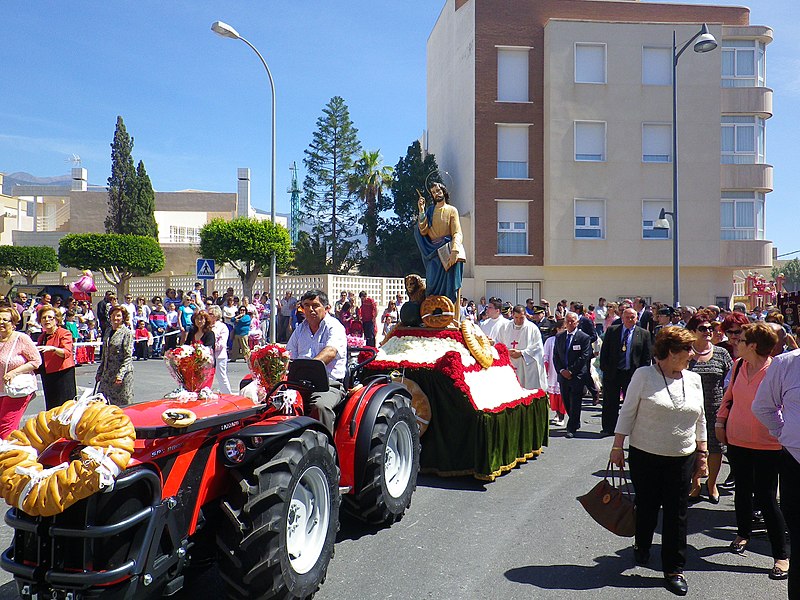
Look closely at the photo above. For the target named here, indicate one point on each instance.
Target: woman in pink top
(18, 355)
(754, 454)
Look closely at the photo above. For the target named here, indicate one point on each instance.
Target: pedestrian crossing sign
(205, 268)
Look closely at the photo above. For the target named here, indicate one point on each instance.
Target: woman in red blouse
(58, 365)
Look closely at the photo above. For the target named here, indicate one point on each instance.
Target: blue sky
(198, 104)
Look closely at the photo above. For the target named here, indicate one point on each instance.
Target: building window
(589, 219)
(512, 151)
(30, 208)
(650, 211)
(743, 140)
(743, 63)
(590, 140)
(184, 235)
(656, 142)
(590, 63)
(512, 227)
(512, 74)
(656, 66)
(742, 216)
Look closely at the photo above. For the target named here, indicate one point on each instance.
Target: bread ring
(419, 401)
(437, 311)
(478, 344)
(107, 434)
(178, 417)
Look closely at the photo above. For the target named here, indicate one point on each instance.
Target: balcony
(746, 177)
(745, 254)
(747, 101)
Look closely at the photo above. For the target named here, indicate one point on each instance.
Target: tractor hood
(147, 416)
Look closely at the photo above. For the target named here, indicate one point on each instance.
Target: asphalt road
(523, 536)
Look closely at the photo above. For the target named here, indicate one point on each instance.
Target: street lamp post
(227, 31)
(703, 42)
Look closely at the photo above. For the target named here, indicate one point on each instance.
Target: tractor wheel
(390, 477)
(281, 525)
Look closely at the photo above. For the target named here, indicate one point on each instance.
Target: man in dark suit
(644, 315)
(586, 325)
(626, 347)
(571, 357)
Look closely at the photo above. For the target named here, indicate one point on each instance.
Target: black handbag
(612, 506)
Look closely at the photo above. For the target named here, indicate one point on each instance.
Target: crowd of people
(685, 386)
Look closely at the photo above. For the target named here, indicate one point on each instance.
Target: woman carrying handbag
(19, 359)
(664, 417)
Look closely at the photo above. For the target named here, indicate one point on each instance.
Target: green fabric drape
(463, 441)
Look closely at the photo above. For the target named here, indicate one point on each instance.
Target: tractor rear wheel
(281, 524)
(390, 476)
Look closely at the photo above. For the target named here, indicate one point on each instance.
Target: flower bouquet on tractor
(192, 366)
(119, 503)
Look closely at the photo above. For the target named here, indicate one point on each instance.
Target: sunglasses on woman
(704, 328)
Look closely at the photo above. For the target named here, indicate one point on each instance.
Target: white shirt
(221, 344)
(305, 344)
(667, 421)
(492, 327)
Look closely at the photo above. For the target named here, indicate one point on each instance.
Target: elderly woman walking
(115, 372)
(663, 415)
(754, 453)
(777, 406)
(712, 363)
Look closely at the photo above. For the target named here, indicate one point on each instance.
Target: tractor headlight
(235, 450)
(256, 441)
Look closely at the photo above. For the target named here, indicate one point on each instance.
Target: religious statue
(438, 235)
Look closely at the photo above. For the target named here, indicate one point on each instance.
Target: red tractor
(245, 485)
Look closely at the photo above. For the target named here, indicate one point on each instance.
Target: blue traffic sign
(205, 268)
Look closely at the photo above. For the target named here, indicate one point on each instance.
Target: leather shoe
(569, 435)
(676, 583)
(713, 499)
(641, 557)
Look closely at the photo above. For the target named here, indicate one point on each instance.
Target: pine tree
(142, 219)
(123, 182)
(329, 161)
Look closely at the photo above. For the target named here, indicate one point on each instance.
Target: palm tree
(367, 183)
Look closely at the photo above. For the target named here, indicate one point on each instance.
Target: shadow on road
(608, 572)
(463, 484)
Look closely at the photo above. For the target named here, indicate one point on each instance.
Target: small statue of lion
(415, 288)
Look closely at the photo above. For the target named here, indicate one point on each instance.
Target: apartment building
(553, 121)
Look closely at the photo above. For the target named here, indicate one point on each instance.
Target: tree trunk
(248, 278)
(29, 278)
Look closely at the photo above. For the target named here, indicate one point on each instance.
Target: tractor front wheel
(282, 523)
(392, 465)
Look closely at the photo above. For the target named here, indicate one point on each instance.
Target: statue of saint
(438, 235)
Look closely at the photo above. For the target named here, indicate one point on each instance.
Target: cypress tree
(142, 219)
(123, 182)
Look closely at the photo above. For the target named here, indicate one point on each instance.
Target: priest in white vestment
(495, 321)
(524, 342)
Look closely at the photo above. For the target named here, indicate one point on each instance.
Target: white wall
(451, 107)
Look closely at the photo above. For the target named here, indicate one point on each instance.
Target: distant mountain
(22, 178)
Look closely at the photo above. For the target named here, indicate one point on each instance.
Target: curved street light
(223, 29)
(703, 42)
